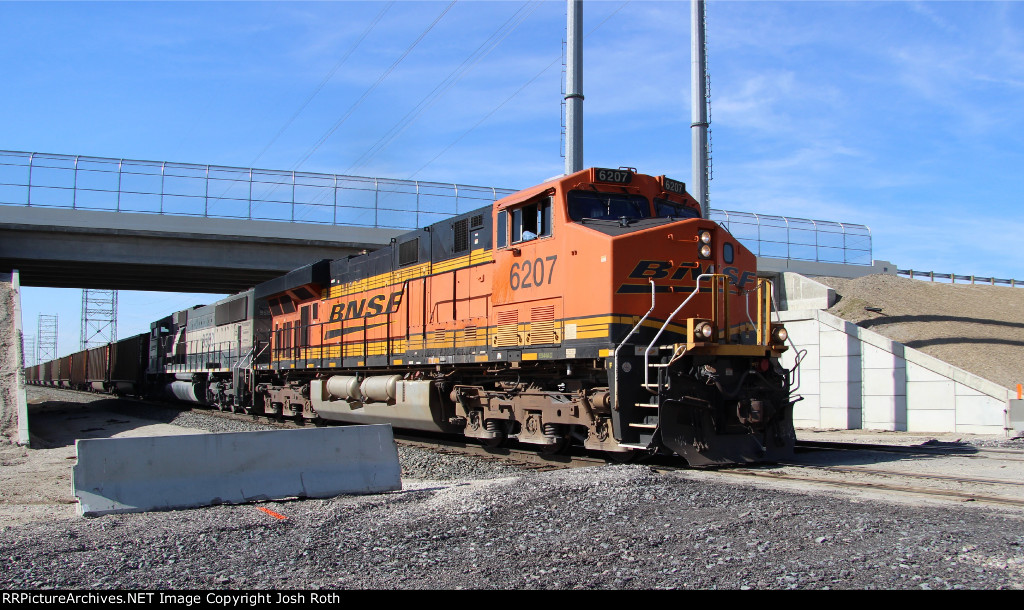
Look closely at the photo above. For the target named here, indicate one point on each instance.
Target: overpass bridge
(92, 222)
(61, 248)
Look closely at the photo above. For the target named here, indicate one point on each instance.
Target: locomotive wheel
(494, 443)
(556, 448)
(619, 457)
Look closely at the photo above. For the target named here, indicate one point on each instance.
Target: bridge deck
(124, 251)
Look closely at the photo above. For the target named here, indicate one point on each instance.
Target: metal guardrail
(952, 277)
(211, 191)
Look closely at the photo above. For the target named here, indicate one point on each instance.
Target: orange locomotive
(596, 309)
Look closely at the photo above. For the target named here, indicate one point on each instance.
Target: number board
(615, 176)
(673, 186)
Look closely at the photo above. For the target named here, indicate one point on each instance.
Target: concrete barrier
(1015, 413)
(139, 474)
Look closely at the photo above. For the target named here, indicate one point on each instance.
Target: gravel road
(460, 523)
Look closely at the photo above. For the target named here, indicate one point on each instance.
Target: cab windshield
(607, 206)
(665, 209)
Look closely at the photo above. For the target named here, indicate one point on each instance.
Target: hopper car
(598, 309)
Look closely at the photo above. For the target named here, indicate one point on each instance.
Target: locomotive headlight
(705, 237)
(703, 331)
(779, 334)
(705, 251)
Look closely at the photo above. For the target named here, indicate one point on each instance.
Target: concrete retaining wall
(796, 292)
(854, 378)
(13, 406)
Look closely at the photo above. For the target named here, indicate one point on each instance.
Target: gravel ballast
(464, 523)
(605, 527)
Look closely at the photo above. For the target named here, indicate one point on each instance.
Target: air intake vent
(542, 325)
(461, 230)
(507, 334)
(409, 252)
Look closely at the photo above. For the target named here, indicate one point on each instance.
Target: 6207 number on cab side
(533, 273)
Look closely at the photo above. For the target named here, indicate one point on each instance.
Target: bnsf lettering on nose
(363, 308)
(660, 269)
(656, 270)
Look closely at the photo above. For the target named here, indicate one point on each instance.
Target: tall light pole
(698, 106)
(574, 88)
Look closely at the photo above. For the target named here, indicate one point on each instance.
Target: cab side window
(502, 229)
(531, 221)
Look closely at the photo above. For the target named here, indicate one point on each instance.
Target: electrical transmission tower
(46, 338)
(28, 350)
(99, 318)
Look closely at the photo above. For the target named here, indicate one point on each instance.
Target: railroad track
(952, 494)
(888, 481)
(942, 449)
(831, 475)
(913, 475)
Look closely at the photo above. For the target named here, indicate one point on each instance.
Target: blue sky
(902, 116)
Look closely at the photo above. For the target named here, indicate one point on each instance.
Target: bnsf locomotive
(597, 309)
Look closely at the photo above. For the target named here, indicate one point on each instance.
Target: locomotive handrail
(238, 363)
(615, 356)
(799, 354)
(647, 352)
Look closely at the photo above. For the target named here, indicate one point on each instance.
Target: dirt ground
(974, 327)
(35, 483)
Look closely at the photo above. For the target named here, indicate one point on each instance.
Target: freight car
(597, 309)
(116, 368)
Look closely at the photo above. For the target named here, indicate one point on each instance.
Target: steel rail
(896, 473)
(942, 493)
(960, 451)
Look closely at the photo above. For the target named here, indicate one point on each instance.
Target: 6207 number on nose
(532, 273)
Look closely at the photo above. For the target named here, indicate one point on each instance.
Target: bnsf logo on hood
(364, 308)
(657, 270)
